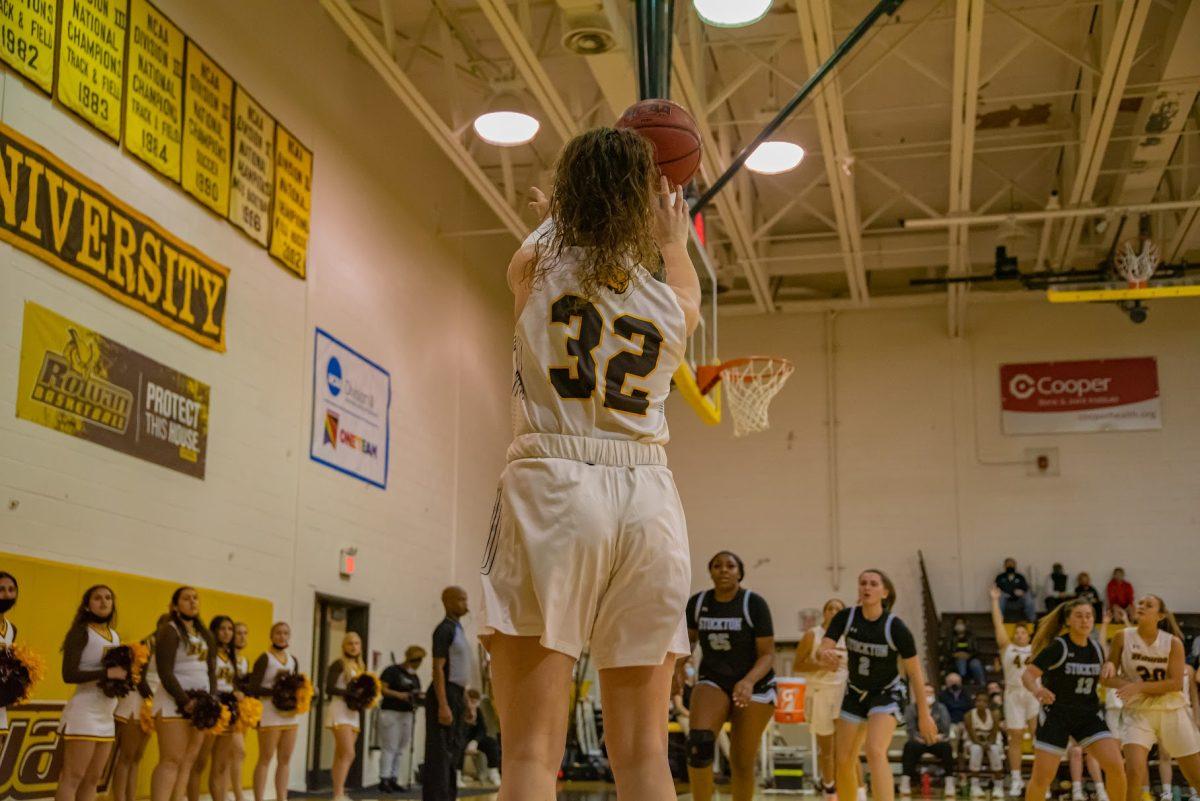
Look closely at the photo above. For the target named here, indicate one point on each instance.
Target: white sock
(1076, 785)
(1016, 774)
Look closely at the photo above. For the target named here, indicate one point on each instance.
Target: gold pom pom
(34, 664)
(249, 713)
(304, 696)
(146, 715)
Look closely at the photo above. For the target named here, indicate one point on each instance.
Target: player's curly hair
(601, 202)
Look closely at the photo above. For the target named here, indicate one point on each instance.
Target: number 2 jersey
(728, 632)
(595, 366)
(1140, 661)
(873, 647)
(1072, 673)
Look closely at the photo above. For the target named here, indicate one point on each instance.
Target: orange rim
(708, 376)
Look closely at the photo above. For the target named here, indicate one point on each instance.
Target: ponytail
(1168, 622)
(1051, 625)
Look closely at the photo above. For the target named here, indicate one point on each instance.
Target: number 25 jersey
(596, 366)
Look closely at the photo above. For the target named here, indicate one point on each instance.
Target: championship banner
(91, 61)
(27, 39)
(154, 89)
(351, 399)
(293, 201)
(253, 167)
(52, 212)
(81, 383)
(32, 751)
(207, 130)
(1082, 396)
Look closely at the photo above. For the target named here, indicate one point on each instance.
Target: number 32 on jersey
(578, 381)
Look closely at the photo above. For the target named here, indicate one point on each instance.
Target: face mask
(1010, 570)
(6, 604)
(94, 618)
(960, 628)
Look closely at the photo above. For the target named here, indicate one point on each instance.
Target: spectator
(962, 647)
(1014, 589)
(995, 694)
(397, 713)
(445, 701)
(1119, 591)
(481, 746)
(1057, 587)
(956, 699)
(1085, 590)
(916, 747)
(983, 735)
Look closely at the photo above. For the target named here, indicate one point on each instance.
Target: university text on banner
(207, 130)
(91, 61)
(293, 201)
(27, 39)
(352, 396)
(253, 174)
(52, 212)
(154, 89)
(1080, 396)
(81, 383)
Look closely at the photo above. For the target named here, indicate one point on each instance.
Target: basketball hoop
(1136, 260)
(750, 384)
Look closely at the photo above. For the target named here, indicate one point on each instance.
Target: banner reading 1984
(91, 61)
(154, 89)
(207, 124)
(27, 38)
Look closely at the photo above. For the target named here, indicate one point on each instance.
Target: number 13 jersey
(596, 366)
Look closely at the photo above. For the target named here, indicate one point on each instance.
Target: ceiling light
(506, 128)
(731, 13)
(772, 158)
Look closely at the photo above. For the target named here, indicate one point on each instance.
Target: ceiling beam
(613, 71)
(968, 44)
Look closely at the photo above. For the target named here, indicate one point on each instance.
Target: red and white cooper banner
(1074, 397)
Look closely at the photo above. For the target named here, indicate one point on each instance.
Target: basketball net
(1136, 261)
(750, 384)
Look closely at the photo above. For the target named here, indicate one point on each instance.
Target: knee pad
(702, 748)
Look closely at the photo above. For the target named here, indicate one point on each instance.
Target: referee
(445, 703)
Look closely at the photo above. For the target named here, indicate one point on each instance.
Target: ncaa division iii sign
(352, 396)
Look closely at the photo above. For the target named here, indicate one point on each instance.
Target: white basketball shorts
(823, 706)
(1020, 707)
(1171, 728)
(589, 548)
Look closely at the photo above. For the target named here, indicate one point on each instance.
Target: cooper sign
(1072, 397)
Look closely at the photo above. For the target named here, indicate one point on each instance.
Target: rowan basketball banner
(49, 210)
(351, 399)
(1073, 397)
(27, 39)
(81, 383)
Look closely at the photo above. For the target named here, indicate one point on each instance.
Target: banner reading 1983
(207, 126)
(154, 89)
(91, 61)
(27, 38)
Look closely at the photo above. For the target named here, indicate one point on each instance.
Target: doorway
(333, 618)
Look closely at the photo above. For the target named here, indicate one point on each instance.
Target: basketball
(673, 132)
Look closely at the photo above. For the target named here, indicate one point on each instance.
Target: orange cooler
(789, 699)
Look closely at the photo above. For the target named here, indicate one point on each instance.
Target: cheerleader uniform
(728, 632)
(873, 648)
(825, 688)
(340, 674)
(184, 663)
(7, 637)
(130, 707)
(1150, 719)
(88, 714)
(1072, 673)
(266, 670)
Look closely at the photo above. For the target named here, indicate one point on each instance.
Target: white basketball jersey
(596, 367)
(1014, 659)
(829, 678)
(1149, 663)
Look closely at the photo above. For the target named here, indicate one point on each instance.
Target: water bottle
(926, 785)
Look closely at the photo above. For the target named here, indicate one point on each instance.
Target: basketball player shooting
(589, 543)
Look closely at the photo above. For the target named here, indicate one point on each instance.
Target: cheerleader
(223, 747)
(8, 631)
(276, 730)
(876, 643)
(1020, 707)
(823, 692)
(87, 727)
(186, 660)
(241, 636)
(1063, 676)
(342, 719)
(737, 681)
(1145, 668)
(131, 736)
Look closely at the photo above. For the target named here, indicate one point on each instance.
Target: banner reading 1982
(81, 383)
(27, 39)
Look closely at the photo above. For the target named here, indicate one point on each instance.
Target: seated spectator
(995, 694)
(1085, 590)
(962, 648)
(916, 747)
(1016, 599)
(1119, 591)
(983, 734)
(481, 746)
(955, 698)
(1057, 589)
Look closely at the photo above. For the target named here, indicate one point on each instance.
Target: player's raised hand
(539, 203)
(671, 218)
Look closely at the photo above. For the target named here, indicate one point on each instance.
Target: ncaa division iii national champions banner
(351, 399)
(81, 383)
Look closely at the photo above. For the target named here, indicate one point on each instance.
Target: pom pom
(20, 671)
(208, 714)
(141, 658)
(121, 657)
(292, 693)
(231, 703)
(363, 691)
(249, 713)
(146, 715)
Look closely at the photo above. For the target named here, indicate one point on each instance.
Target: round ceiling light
(772, 158)
(506, 128)
(731, 13)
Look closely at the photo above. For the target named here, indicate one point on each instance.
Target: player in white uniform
(131, 737)
(8, 631)
(221, 747)
(276, 730)
(87, 727)
(589, 543)
(1021, 709)
(823, 692)
(342, 719)
(1145, 666)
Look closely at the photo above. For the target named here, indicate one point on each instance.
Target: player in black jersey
(1064, 676)
(876, 641)
(736, 681)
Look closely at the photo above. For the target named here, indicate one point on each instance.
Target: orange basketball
(672, 131)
